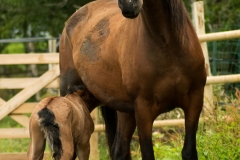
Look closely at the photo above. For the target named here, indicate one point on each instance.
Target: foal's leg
(67, 141)
(144, 120)
(37, 140)
(125, 129)
(83, 151)
(192, 114)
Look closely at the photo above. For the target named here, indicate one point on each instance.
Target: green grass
(14, 145)
(7, 122)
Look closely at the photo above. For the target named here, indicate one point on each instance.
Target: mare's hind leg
(70, 81)
(37, 140)
(125, 129)
(69, 78)
(192, 114)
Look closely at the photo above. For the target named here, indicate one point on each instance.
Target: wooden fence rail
(31, 58)
(19, 83)
(219, 36)
(24, 132)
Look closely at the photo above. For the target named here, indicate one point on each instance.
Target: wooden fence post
(199, 23)
(94, 137)
(52, 48)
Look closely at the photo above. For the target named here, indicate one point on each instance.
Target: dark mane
(179, 18)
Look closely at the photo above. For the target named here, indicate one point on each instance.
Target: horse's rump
(51, 131)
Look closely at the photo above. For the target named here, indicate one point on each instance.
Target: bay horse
(67, 125)
(139, 58)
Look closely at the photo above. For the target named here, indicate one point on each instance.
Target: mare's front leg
(144, 120)
(125, 129)
(192, 113)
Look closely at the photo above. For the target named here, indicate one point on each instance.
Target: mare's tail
(51, 131)
(110, 118)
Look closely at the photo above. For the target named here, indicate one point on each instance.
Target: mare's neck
(155, 19)
(158, 19)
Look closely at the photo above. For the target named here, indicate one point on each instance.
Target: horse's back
(57, 105)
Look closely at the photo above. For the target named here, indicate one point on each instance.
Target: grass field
(12, 145)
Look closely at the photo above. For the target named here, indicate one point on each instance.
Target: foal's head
(130, 8)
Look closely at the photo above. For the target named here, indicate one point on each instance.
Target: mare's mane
(179, 18)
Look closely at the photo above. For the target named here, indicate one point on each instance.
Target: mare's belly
(104, 80)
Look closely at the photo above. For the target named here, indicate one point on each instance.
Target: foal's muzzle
(130, 8)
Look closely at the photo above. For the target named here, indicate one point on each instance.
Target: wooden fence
(16, 107)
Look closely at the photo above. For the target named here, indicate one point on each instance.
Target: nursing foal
(66, 124)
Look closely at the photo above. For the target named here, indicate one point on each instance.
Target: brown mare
(146, 64)
(66, 124)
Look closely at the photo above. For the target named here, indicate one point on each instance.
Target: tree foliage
(222, 15)
(24, 18)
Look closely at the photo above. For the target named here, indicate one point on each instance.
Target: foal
(66, 124)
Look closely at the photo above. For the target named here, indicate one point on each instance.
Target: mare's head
(130, 8)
